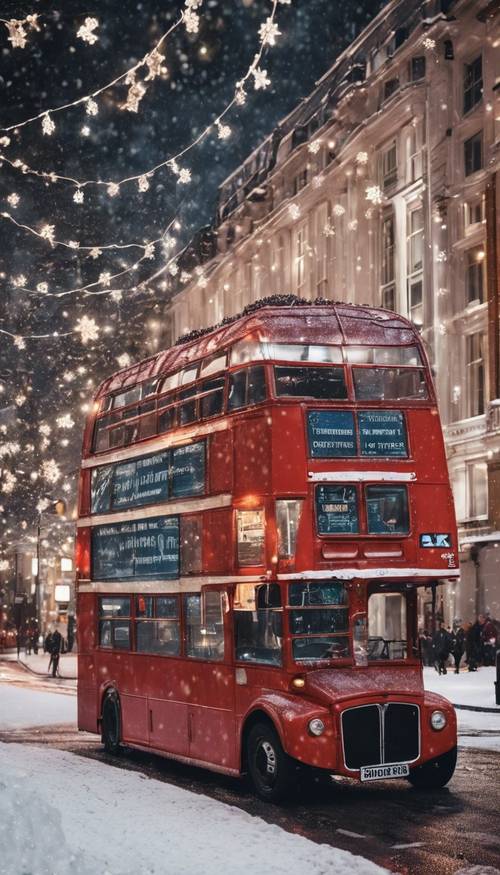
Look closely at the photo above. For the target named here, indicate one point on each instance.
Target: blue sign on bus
(137, 549)
(382, 433)
(331, 433)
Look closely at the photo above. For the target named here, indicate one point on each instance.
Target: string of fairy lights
(190, 16)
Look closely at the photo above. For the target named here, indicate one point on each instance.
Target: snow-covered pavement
(476, 689)
(65, 815)
(22, 707)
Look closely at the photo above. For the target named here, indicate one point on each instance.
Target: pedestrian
(55, 652)
(19, 642)
(488, 636)
(473, 645)
(459, 646)
(47, 642)
(425, 642)
(441, 645)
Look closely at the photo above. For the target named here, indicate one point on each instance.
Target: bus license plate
(381, 773)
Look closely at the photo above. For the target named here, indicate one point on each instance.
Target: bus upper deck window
(256, 385)
(246, 351)
(408, 356)
(187, 410)
(128, 397)
(295, 352)
(288, 511)
(188, 375)
(169, 383)
(311, 382)
(390, 384)
(212, 403)
(214, 364)
(246, 387)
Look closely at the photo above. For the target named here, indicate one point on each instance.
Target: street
(436, 833)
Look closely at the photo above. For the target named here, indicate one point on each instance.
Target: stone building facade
(382, 187)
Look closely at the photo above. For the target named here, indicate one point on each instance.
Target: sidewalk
(474, 691)
(39, 664)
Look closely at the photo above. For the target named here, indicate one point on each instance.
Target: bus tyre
(111, 724)
(271, 770)
(436, 773)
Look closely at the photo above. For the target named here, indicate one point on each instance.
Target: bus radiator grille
(376, 734)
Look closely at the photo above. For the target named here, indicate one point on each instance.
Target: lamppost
(58, 507)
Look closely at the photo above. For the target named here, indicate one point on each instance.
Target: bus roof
(299, 321)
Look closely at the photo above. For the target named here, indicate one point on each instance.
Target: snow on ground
(27, 707)
(470, 688)
(467, 688)
(65, 815)
(39, 663)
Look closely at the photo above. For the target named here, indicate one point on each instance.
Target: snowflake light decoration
(48, 126)
(78, 196)
(86, 31)
(87, 328)
(268, 31)
(135, 94)
(294, 211)
(65, 421)
(123, 360)
(338, 210)
(260, 78)
(154, 63)
(51, 471)
(91, 107)
(13, 199)
(184, 175)
(105, 278)
(143, 183)
(48, 232)
(362, 158)
(19, 342)
(314, 147)
(9, 481)
(429, 43)
(374, 194)
(42, 288)
(113, 189)
(223, 131)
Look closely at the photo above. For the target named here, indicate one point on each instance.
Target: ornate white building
(382, 188)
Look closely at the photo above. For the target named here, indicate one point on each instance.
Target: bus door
(209, 679)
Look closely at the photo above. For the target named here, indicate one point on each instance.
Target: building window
(474, 212)
(477, 490)
(300, 257)
(415, 256)
(474, 277)
(277, 263)
(321, 251)
(414, 155)
(473, 83)
(417, 68)
(475, 374)
(256, 274)
(390, 88)
(300, 181)
(388, 295)
(389, 166)
(473, 154)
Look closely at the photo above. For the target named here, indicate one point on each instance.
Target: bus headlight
(438, 720)
(316, 726)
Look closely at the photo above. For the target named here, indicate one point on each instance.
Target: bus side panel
(88, 706)
(252, 457)
(220, 462)
(288, 451)
(217, 542)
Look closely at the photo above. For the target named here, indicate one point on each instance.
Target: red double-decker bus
(258, 508)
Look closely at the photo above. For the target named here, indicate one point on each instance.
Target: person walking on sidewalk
(441, 644)
(56, 647)
(458, 646)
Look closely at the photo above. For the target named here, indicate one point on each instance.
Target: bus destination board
(331, 433)
(382, 433)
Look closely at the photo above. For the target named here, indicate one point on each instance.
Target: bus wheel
(110, 725)
(436, 773)
(271, 769)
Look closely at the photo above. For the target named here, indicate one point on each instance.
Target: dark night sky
(56, 67)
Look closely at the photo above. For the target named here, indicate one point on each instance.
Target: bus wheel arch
(272, 772)
(111, 722)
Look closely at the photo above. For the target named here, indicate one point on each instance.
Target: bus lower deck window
(387, 631)
(310, 382)
(319, 620)
(387, 510)
(258, 623)
(114, 622)
(158, 625)
(250, 533)
(204, 626)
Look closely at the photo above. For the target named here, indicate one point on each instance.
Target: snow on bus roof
(279, 318)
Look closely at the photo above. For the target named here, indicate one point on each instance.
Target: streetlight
(58, 507)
